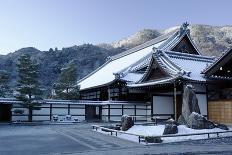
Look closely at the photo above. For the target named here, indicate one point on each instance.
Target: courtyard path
(79, 139)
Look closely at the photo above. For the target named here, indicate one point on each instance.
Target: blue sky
(63, 23)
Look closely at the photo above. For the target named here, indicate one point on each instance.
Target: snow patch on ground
(158, 131)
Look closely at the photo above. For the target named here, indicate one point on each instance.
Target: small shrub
(151, 139)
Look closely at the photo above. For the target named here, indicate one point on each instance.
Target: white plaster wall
(60, 105)
(129, 112)
(128, 106)
(59, 111)
(77, 106)
(104, 110)
(202, 102)
(115, 118)
(43, 111)
(163, 105)
(115, 111)
(18, 117)
(77, 111)
(46, 111)
(115, 106)
(41, 118)
(141, 112)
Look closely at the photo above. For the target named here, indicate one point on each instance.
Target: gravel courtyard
(80, 139)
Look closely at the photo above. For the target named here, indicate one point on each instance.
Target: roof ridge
(125, 70)
(94, 71)
(188, 55)
(160, 53)
(143, 45)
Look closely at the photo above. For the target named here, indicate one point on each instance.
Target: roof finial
(185, 25)
(183, 28)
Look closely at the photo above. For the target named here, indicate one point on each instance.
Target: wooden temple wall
(220, 111)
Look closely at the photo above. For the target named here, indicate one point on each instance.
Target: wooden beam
(108, 113)
(50, 112)
(135, 112)
(175, 102)
(68, 109)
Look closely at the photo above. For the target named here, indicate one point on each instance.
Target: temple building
(147, 82)
(154, 75)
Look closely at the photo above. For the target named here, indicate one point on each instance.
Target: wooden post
(108, 93)
(50, 112)
(175, 102)
(108, 113)
(135, 112)
(151, 100)
(207, 100)
(68, 109)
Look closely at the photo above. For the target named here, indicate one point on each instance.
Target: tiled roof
(153, 83)
(177, 65)
(115, 64)
(216, 64)
(132, 65)
(73, 102)
(191, 65)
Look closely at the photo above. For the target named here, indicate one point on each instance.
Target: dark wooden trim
(175, 100)
(169, 95)
(163, 114)
(201, 92)
(50, 112)
(68, 109)
(206, 87)
(108, 112)
(152, 104)
(121, 115)
(135, 111)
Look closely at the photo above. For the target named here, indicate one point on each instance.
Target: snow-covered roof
(153, 83)
(73, 102)
(191, 66)
(132, 65)
(105, 74)
(177, 66)
(223, 59)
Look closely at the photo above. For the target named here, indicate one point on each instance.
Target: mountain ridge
(211, 40)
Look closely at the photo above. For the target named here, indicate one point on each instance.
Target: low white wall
(163, 105)
(77, 111)
(116, 112)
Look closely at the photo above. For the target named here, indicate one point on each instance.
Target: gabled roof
(191, 66)
(222, 60)
(176, 65)
(105, 73)
(132, 64)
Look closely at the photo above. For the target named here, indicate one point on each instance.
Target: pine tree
(28, 87)
(4, 84)
(66, 88)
